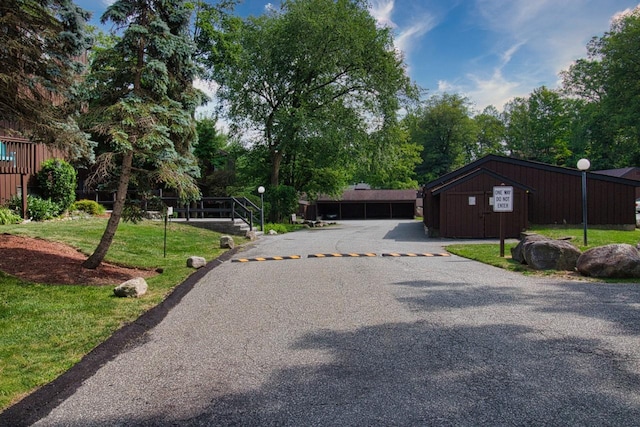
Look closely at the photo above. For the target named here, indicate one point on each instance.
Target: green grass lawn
(490, 253)
(46, 329)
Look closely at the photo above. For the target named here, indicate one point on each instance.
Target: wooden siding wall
(459, 219)
(557, 198)
(28, 158)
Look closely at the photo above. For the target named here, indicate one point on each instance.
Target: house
(628, 173)
(20, 160)
(361, 202)
(459, 204)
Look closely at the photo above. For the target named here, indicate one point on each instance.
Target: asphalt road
(373, 340)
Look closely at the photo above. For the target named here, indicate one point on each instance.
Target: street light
(261, 191)
(583, 165)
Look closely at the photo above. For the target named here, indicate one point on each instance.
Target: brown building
(20, 160)
(459, 204)
(627, 173)
(364, 203)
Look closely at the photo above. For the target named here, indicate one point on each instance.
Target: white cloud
(533, 41)
(407, 34)
(381, 10)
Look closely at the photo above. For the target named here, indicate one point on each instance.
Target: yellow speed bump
(273, 258)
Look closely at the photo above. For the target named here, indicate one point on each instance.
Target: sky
(487, 50)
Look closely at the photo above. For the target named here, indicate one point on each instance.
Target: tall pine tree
(143, 102)
(42, 42)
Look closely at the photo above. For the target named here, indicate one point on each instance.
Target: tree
(490, 133)
(537, 127)
(315, 79)
(607, 84)
(142, 103)
(445, 130)
(390, 164)
(213, 158)
(42, 42)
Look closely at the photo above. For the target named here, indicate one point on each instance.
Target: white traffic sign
(503, 199)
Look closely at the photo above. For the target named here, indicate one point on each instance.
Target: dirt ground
(41, 261)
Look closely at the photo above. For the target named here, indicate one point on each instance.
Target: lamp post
(261, 191)
(583, 165)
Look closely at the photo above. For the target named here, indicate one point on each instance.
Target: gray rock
(517, 251)
(196, 262)
(250, 235)
(131, 288)
(551, 255)
(226, 242)
(272, 232)
(618, 261)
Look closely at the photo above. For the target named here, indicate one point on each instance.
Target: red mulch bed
(41, 261)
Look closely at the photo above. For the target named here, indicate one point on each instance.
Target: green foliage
(141, 104)
(315, 78)
(537, 127)
(490, 134)
(277, 227)
(38, 209)
(606, 83)
(214, 160)
(89, 206)
(57, 181)
(42, 43)
(283, 201)
(132, 212)
(445, 130)
(7, 216)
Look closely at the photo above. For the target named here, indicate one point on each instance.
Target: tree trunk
(107, 237)
(276, 159)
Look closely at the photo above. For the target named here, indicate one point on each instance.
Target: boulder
(131, 288)
(272, 232)
(250, 235)
(226, 242)
(551, 255)
(517, 253)
(196, 262)
(618, 261)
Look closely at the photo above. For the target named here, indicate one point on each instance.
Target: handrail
(232, 207)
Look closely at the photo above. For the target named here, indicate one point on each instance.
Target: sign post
(502, 202)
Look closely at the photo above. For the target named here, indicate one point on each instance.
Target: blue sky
(487, 50)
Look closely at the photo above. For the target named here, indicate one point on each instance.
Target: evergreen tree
(42, 42)
(142, 103)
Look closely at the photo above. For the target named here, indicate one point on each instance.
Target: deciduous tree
(315, 78)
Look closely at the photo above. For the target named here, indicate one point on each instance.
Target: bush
(281, 228)
(57, 181)
(283, 201)
(7, 216)
(89, 206)
(38, 209)
(132, 211)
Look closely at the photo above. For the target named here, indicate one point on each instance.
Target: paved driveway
(374, 340)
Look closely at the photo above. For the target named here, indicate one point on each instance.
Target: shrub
(283, 201)
(7, 216)
(38, 209)
(89, 206)
(57, 181)
(132, 211)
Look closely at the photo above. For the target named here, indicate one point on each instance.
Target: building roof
(373, 196)
(621, 173)
(444, 179)
(480, 171)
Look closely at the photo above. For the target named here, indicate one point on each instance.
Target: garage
(361, 203)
